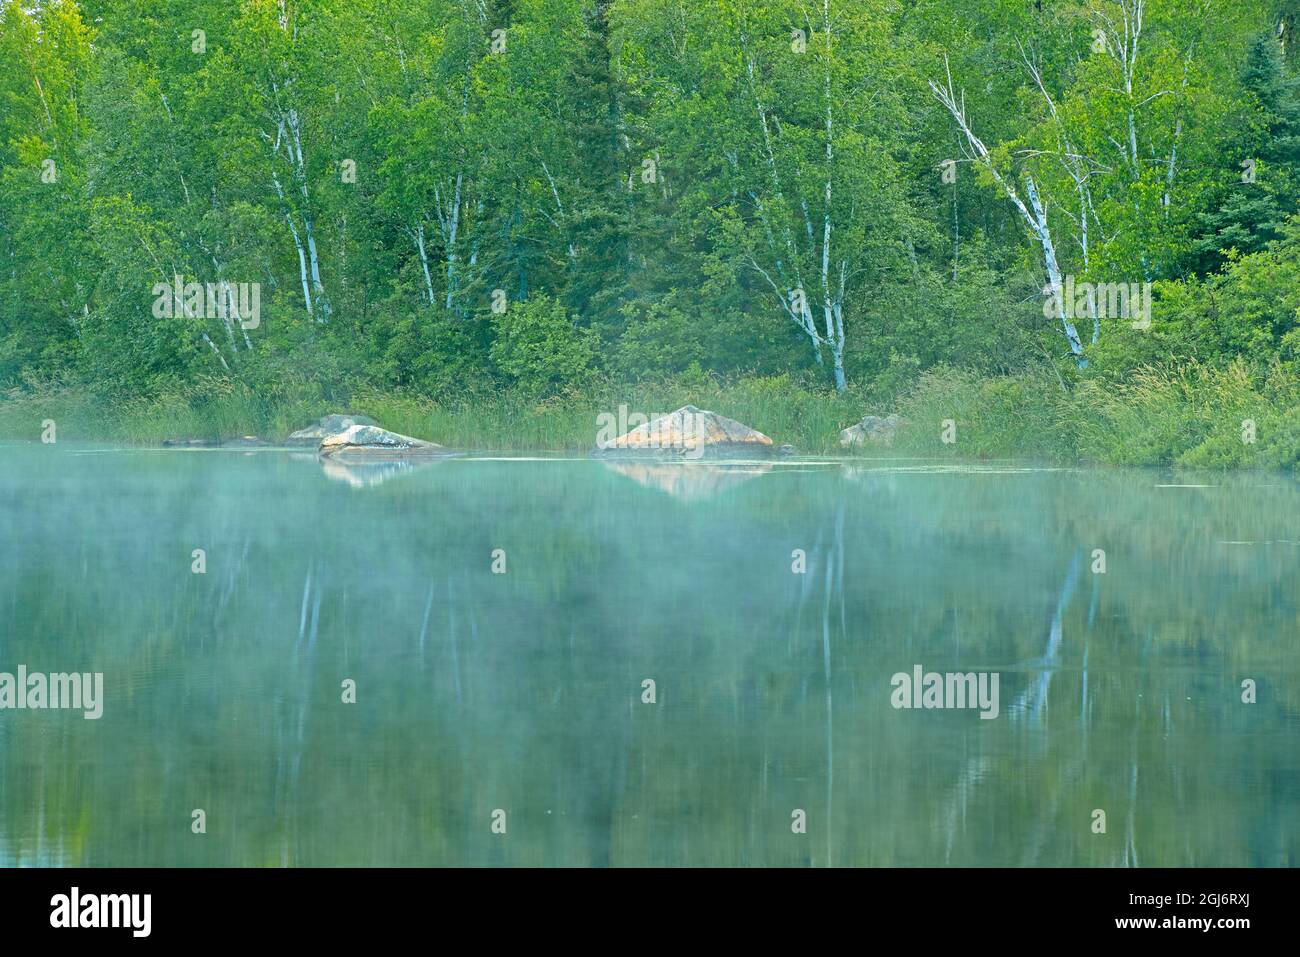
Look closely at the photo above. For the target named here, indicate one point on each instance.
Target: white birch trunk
(418, 235)
(1036, 220)
(1053, 269)
(453, 229)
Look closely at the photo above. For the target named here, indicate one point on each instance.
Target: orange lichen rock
(690, 433)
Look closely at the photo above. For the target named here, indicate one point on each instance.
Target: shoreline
(1182, 417)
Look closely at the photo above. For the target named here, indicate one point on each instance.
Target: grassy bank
(810, 420)
(1186, 415)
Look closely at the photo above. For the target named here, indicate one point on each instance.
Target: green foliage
(648, 183)
(1258, 198)
(1250, 311)
(1004, 417)
(1196, 416)
(660, 340)
(541, 348)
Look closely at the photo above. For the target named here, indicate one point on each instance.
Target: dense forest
(1068, 225)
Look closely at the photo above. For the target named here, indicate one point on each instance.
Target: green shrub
(541, 349)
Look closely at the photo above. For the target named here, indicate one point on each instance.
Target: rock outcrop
(872, 429)
(690, 433)
(327, 426)
(372, 442)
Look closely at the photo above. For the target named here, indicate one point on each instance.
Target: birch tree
(1114, 145)
(279, 48)
(801, 126)
(1033, 213)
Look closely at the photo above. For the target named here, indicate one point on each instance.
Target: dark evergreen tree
(1264, 189)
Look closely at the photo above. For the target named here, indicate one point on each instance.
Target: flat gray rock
(328, 425)
(872, 429)
(370, 441)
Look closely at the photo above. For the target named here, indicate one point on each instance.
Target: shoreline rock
(871, 429)
(690, 434)
(372, 442)
(327, 425)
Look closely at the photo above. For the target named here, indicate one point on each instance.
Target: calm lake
(524, 689)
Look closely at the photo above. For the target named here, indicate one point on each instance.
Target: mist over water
(523, 691)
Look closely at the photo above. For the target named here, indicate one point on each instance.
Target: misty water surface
(523, 691)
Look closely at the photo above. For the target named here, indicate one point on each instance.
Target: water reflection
(523, 691)
(689, 481)
(364, 474)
